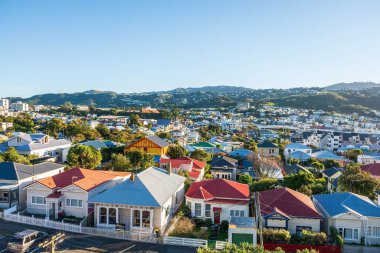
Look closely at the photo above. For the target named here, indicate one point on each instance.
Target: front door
(216, 217)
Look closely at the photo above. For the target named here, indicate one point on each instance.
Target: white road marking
(3, 250)
(127, 249)
(64, 250)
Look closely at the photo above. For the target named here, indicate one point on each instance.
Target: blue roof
(151, 187)
(240, 153)
(296, 146)
(331, 171)
(96, 144)
(343, 202)
(328, 155)
(247, 164)
(299, 155)
(163, 122)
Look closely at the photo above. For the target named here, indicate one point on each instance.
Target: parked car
(26, 240)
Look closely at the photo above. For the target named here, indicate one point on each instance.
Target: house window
(103, 215)
(146, 219)
(208, 210)
(300, 228)
(38, 200)
(74, 202)
(112, 216)
(198, 209)
(236, 213)
(136, 219)
(373, 231)
(349, 233)
(18, 139)
(4, 197)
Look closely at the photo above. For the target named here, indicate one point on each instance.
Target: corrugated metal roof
(152, 187)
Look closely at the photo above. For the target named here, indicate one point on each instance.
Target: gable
(144, 143)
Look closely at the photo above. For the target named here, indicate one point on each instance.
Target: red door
(216, 217)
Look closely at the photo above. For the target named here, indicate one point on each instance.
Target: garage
(240, 238)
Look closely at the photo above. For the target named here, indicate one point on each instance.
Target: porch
(53, 205)
(136, 219)
(8, 195)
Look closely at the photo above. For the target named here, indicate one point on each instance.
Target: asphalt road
(79, 243)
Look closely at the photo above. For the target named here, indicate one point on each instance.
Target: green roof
(204, 144)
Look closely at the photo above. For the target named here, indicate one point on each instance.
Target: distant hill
(217, 89)
(352, 86)
(346, 98)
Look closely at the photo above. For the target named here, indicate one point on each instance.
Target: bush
(313, 238)
(183, 228)
(276, 235)
(335, 237)
(295, 239)
(307, 251)
(224, 225)
(185, 211)
(202, 223)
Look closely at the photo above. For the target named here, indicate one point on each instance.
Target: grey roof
(152, 187)
(267, 144)
(96, 144)
(331, 171)
(295, 168)
(157, 140)
(18, 171)
(36, 146)
(343, 202)
(222, 161)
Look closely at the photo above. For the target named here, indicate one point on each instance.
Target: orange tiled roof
(83, 178)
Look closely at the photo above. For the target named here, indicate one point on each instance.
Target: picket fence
(180, 241)
(116, 234)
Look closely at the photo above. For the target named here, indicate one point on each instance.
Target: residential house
(193, 167)
(268, 149)
(332, 175)
(19, 106)
(224, 167)
(242, 230)
(373, 169)
(145, 202)
(294, 169)
(285, 208)
(218, 199)
(354, 216)
(152, 145)
(68, 193)
(38, 144)
(111, 120)
(327, 155)
(15, 176)
(296, 147)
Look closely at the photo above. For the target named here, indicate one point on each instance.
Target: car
(25, 241)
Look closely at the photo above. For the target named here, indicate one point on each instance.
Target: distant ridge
(217, 89)
(352, 86)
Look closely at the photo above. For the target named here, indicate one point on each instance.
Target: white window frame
(69, 203)
(199, 209)
(371, 230)
(208, 211)
(353, 233)
(35, 202)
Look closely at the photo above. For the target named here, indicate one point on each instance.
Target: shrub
(307, 251)
(295, 239)
(185, 211)
(276, 235)
(313, 238)
(183, 228)
(224, 225)
(335, 237)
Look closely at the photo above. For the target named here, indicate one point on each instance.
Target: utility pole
(51, 242)
(258, 217)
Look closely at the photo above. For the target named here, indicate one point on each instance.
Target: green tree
(265, 184)
(24, 123)
(245, 179)
(11, 155)
(305, 182)
(164, 135)
(103, 130)
(353, 154)
(135, 158)
(134, 120)
(54, 127)
(120, 162)
(330, 163)
(84, 157)
(200, 155)
(318, 166)
(176, 151)
(353, 179)
(251, 145)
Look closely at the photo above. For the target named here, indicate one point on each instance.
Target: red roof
(287, 202)
(219, 190)
(176, 163)
(83, 178)
(194, 174)
(373, 169)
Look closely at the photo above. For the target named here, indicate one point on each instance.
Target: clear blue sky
(137, 45)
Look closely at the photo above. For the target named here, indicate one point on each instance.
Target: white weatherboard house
(218, 199)
(143, 203)
(15, 176)
(38, 144)
(354, 216)
(68, 192)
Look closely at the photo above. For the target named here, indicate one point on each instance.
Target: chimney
(169, 168)
(132, 177)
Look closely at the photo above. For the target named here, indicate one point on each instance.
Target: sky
(140, 45)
